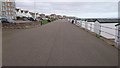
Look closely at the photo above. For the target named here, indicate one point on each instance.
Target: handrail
(104, 26)
(108, 33)
(93, 28)
(108, 27)
(90, 26)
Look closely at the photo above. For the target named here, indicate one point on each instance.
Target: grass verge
(44, 22)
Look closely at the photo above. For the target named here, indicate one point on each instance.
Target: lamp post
(35, 9)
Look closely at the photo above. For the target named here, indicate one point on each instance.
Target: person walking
(72, 21)
(41, 21)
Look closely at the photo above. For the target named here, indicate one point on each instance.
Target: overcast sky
(78, 8)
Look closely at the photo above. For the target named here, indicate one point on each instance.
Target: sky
(78, 8)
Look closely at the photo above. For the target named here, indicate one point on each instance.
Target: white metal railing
(97, 28)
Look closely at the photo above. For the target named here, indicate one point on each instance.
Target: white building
(27, 14)
(23, 13)
(18, 13)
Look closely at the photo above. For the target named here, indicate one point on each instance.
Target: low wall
(20, 25)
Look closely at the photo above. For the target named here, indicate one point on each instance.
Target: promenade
(58, 43)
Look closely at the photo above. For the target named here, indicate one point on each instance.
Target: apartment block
(0, 8)
(8, 9)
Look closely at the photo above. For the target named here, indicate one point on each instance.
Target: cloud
(67, 0)
(81, 9)
(99, 15)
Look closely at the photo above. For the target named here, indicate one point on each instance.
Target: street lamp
(34, 10)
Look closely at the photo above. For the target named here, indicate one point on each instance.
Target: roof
(26, 11)
(71, 17)
(22, 11)
(17, 9)
(90, 20)
(101, 20)
(32, 13)
(107, 20)
(53, 15)
(42, 14)
(117, 24)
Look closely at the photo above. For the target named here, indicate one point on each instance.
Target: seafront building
(8, 9)
(0, 8)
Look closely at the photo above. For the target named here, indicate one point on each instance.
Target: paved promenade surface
(59, 43)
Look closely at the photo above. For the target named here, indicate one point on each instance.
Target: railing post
(80, 23)
(100, 29)
(118, 36)
(97, 28)
(91, 27)
(86, 25)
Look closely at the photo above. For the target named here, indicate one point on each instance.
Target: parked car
(30, 19)
(25, 18)
(49, 20)
(0, 20)
(7, 20)
(11, 20)
(4, 20)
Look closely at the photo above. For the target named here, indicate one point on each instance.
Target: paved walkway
(56, 44)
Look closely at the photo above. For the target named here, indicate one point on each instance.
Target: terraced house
(8, 9)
